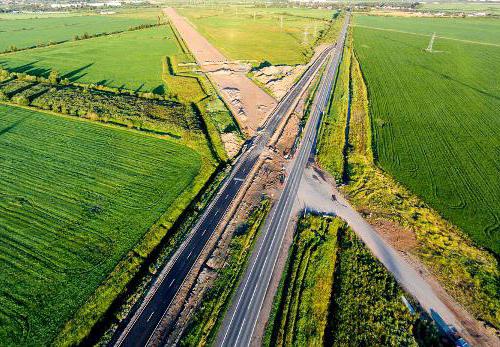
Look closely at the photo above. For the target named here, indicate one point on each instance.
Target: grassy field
(471, 275)
(239, 36)
(75, 198)
(334, 292)
(480, 30)
(131, 60)
(490, 8)
(435, 117)
(23, 33)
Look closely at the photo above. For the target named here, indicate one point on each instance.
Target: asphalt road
(239, 323)
(145, 320)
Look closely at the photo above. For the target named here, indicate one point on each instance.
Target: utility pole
(431, 42)
(306, 33)
(254, 15)
(281, 22)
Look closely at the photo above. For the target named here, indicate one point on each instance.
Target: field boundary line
(427, 35)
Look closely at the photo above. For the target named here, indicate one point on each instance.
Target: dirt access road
(247, 101)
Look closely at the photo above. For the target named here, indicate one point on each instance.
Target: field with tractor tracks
(435, 113)
(76, 198)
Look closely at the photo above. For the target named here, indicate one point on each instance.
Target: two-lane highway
(145, 320)
(239, 324)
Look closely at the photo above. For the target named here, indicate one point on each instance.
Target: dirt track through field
(247, 101)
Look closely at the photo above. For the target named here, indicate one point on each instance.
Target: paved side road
(239, 323)
(140, 327)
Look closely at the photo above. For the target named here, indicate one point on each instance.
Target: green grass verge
(77, 203)
(301, 305)
(334, 292)
(202, 328)
(330, 150)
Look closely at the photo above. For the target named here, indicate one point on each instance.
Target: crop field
(435, 118)
(241, 36)
(490, 8)
(23, 33)
(131, 60)
(76, 196)
(479, 30)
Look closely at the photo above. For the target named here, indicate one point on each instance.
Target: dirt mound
(279, 79)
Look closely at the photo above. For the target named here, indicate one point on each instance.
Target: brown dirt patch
(401, 239)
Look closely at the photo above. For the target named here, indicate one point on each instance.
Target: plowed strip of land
(248, 102)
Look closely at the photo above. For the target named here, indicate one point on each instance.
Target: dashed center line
(151, 315)
(170, 285)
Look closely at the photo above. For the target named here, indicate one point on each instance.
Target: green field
(435, 117)
(241, 37)
(131, 60)
(480, 30)
(490, 8)
(75, 197)
(23, 33)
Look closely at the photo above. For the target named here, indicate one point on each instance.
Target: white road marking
(204, 231)
(170, 285)
(190, 254)
(151, 315)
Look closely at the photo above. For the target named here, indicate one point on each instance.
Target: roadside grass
(202, 328)
(129, 60)
(78, 202)
(24, 33)
(334, 292)
(366, 307)
(239, 36)
(469, 274)
(300, 314)
(332, 134)
(434, 119)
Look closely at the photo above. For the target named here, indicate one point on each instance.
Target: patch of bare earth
(232, 144)
(248, 102)
(278, 79)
